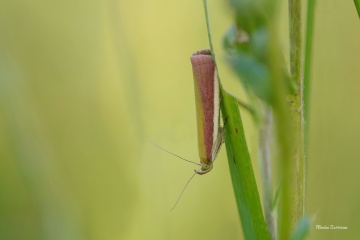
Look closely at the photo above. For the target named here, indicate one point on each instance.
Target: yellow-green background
(84, 83)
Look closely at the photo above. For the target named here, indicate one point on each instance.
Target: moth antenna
(182, 192)
(173, 153)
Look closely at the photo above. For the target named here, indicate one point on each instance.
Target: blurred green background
(84, 83)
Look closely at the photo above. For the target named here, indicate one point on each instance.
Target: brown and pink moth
(207, 99)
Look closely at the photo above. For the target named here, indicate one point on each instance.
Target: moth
(207, 101)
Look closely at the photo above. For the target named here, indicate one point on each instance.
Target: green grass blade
(242, 174)
(357, 5)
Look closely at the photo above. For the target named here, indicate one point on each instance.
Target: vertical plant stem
(296, 59)
(307, 65)
(295, 40)
(265, 138)
(292, 164)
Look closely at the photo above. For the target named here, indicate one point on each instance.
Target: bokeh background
(83, 84)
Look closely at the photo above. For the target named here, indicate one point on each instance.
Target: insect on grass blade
(207, 100)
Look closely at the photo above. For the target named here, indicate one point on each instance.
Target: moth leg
(219, 141)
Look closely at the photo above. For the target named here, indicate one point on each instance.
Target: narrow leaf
(242, 175)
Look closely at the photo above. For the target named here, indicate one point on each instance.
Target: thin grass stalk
(292, 162)
(307, 66)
